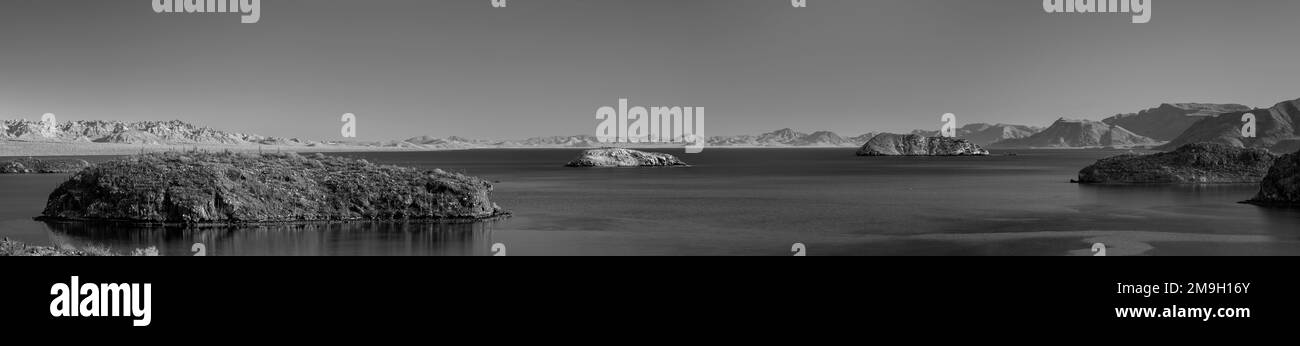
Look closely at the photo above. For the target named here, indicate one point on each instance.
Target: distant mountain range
(144, 132)
(1167, 121)
(978, 133)
(1066, 133)
(984, 134)
(1170, 124)
(778, 138)
(789, 138)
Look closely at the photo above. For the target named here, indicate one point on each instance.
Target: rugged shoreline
(1281, 187)
(1202, 163)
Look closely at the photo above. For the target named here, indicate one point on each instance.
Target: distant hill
(822, 139)
(1276, 129)
(782, 136)
(1065, 133)
(1000, 132)
(864, 138)
(559, 141)
(130, 137)
(429, 142)
(787, 138)
(1167, 121)
(984, 134)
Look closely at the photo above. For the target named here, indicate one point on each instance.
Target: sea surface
(747, 202)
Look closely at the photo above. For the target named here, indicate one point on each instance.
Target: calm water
(751, 202)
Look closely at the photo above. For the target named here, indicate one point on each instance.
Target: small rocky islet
(619, 157)
(235, 188)
(1201, 163)
(889, 144)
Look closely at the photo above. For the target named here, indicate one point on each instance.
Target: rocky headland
(618, 157)
(1191, 164)
(1281, 187)
(889, 144)
(42, 166)
(234, 188)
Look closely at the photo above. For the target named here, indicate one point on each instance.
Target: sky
(543, 67)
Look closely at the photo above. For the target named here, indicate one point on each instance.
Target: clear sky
(543, 67)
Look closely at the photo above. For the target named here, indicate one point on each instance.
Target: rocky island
(234, 188)
(1190, 164)
(618, 157)
(1281, 187)
(40, 166)
(889, 144)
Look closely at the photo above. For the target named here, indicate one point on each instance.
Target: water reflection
(1167, 193)
(324, 239)
(1209, 208)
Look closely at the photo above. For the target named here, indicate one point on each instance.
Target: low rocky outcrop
(226, 188)
(1190, 164)
(618, 157)
(1281, 187)
(889, 144)
(42, 166)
